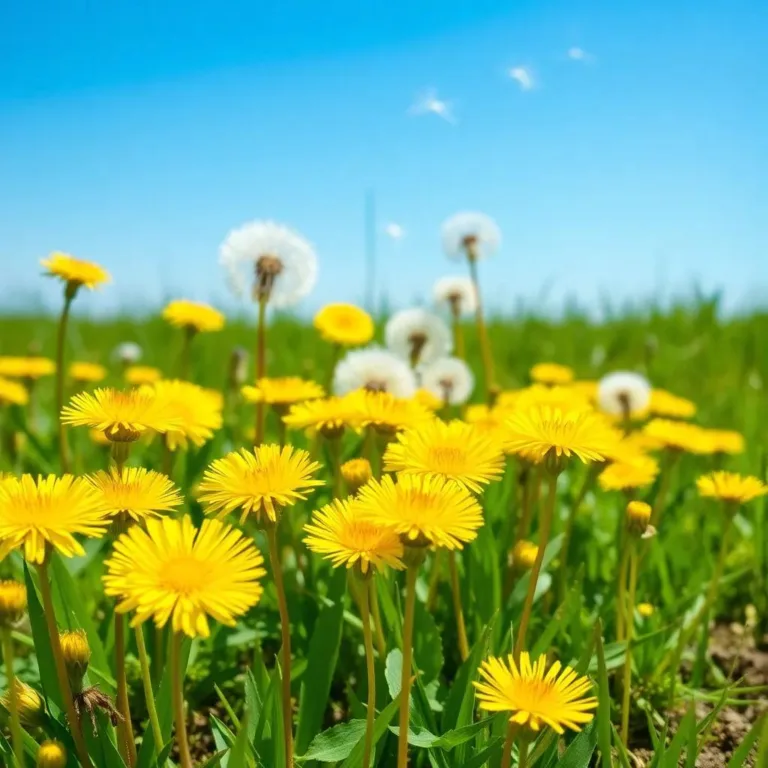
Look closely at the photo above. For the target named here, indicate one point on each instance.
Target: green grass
(720, 364)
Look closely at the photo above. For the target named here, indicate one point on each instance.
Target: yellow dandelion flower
(282, 392)
(356, 473)
(624, 476)
(534, 696)
(257, 482)
(586, 388)
(30, 703)
(87, 373)
(76, 653)
(507, 398)
(328, 415)
(385, 412)
(456, 450)
(135, 492)
(564, 398)
(338, 533)
(12, 393)
(724, 441)
(344, 324)
(638, 516)
(97, 436)
(13, 602)
(52, 754)
(121, 415)
(136, 375)
(646, 610)
(678, 435)
(731, 487)
(174, 571)
(524, 555)
(428, 399)
(193, 315)
(551, 373)
(197, 411)
(664, 403)
(26, 367)
(423, 509)
(540, 432)
(488, 421)
(47, 513)
(75, 272)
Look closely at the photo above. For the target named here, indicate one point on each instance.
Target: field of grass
(701, 702)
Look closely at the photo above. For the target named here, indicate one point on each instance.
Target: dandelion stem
(148, 692)
(405, 679)
(177, 686)
(285, 631)
(544, 531)
(530, 478)
(522, 760)
(482, 331)
(61, 670)
(589, 480)
(61, 337)
(506, 750)
(458, 333)
(434, 579)
(125, 728)
(335, 354)
(371, 672)
(461, 628)
(381, 646)
(261, 366)
(664, 484)
(18, 744)
(334, 449)
(186, 353)
(621, 599)
(630, 626)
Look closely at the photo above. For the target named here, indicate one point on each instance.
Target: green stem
(522, 761)
(434, 579)
(370, 671)
(405, 678)
(532, 478)
(458, 336)
(261, 366)
(125, 728)
(285, 631)
(69, 295)
(334, 449)
(506, 750)
(177, 687)
(61, 669)
(186, 353)
(482, 332)
(664, 485)
(381, 646)
(148, 692)
(630, 626)
(461, 629)
(621, 600)
(335, 354)
(13, 694)
(546, 527)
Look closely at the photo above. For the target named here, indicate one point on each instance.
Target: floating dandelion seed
(394, 231)
(429, 103)
(523, 76)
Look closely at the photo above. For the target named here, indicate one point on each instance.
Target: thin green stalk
(664, 485)
(461, 629)
(125, 728)
(630, 616)
(482, 331)
(285, 631)
(506, 750)
(335, 354)
(69, 295)
(546, 528)
(13, 697)
(621, 600)
(261, 366)
(61, 669)
(370, 671)
(405, 678)
(458, 336)
(434, 579)
(177, 689)
(522, 760)
(149, 694)
(381, 645)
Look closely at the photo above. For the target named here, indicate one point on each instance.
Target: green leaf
(678, 743)
(603, 701)
(484, 576)
(580, 750)
(425, 739)
(335, 743)
(741, 753)
(321, 662)
(427, 644)
(241, 754)
(380, 726)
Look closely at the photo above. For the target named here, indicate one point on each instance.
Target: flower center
(448, 458)
(376, 385)
(267, 269)
(417, 340)
(185, 575)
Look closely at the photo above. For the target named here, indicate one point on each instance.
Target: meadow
(665, 625)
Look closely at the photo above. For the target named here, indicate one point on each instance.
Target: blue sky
(139, 134)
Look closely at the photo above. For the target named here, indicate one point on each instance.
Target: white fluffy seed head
(374, 368)
(448, 378)
(127, 352)
(243, 248)
(623, 392)
(468, 227)
(418, 335)
(457, 294)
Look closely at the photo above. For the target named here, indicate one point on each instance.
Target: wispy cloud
(523, 76)
(579, 54)
(429, 103)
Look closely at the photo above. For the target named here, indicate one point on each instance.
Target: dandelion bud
(13, 602)
(356, 473)
(646, 610)
(51, 755)
(524, 555)
(30, 705)
(77, 655)
(638, 517)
